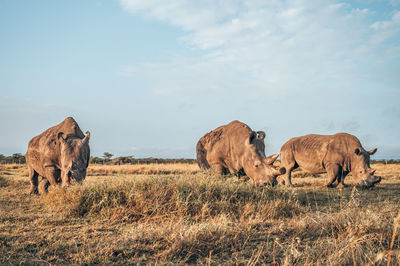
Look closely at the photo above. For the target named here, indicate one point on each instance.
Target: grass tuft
(194, 198)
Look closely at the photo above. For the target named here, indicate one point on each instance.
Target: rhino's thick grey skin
(60, 154)
(232, 149)
(337, 155)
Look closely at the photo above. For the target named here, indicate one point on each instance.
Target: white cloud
(285, 45)
(312, 60)
(190, 15)
(386, 29)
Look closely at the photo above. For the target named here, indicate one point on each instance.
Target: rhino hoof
(34, 192)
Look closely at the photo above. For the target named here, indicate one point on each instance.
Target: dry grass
(143, 169)
(128, 214)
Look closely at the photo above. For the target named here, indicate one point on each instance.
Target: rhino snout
(78, 175)
(378, 179)
(363, 184)
(374, 179)
(369, 182)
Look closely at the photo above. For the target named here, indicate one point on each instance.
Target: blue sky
(149, 78)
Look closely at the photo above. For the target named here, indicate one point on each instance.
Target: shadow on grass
(4, 182)
(332, 198)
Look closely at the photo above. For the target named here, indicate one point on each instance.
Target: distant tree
(97, 160)
(18, 158)
(107, 155)
(123, 160)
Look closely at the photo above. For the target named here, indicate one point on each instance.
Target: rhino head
(370, 180)
(361, 168)
(260, 170)
(74, 158)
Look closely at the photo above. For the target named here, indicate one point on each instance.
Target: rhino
(337, 155)
(231, 149)
(59, 155)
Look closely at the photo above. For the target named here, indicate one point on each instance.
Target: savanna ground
(174, 213)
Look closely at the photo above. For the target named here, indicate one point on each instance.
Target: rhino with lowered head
(60, 155)
(337, 155)
(231, 149)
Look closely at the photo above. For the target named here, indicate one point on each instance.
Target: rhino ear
(61, 137)
(271, 159)
(372, 151)
(252, 137)
(86, 138)
(261, 135)
(357, 151)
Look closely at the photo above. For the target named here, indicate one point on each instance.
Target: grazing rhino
(337, 155)
(59, 154)
(231, 149)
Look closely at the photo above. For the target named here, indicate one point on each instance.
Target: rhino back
(313, 152)
(225, 144)
(341, 149)
(44, 149)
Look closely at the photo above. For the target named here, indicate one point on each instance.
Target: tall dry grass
(143, 169)
(198, 218)
(192, 197)
(185, 218)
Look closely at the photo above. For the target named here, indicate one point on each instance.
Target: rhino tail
(201, 156)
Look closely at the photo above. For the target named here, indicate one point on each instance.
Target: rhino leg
(334, 173)
(341, 177)
(218, 169)
(52, 175)
(289, 163)
(33, 176)
(43, 185)
(286, 179)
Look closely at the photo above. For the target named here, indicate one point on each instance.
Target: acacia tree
(107, 155)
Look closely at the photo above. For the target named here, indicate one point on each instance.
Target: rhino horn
(271, 159)
(86, 138)
(372, 172)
